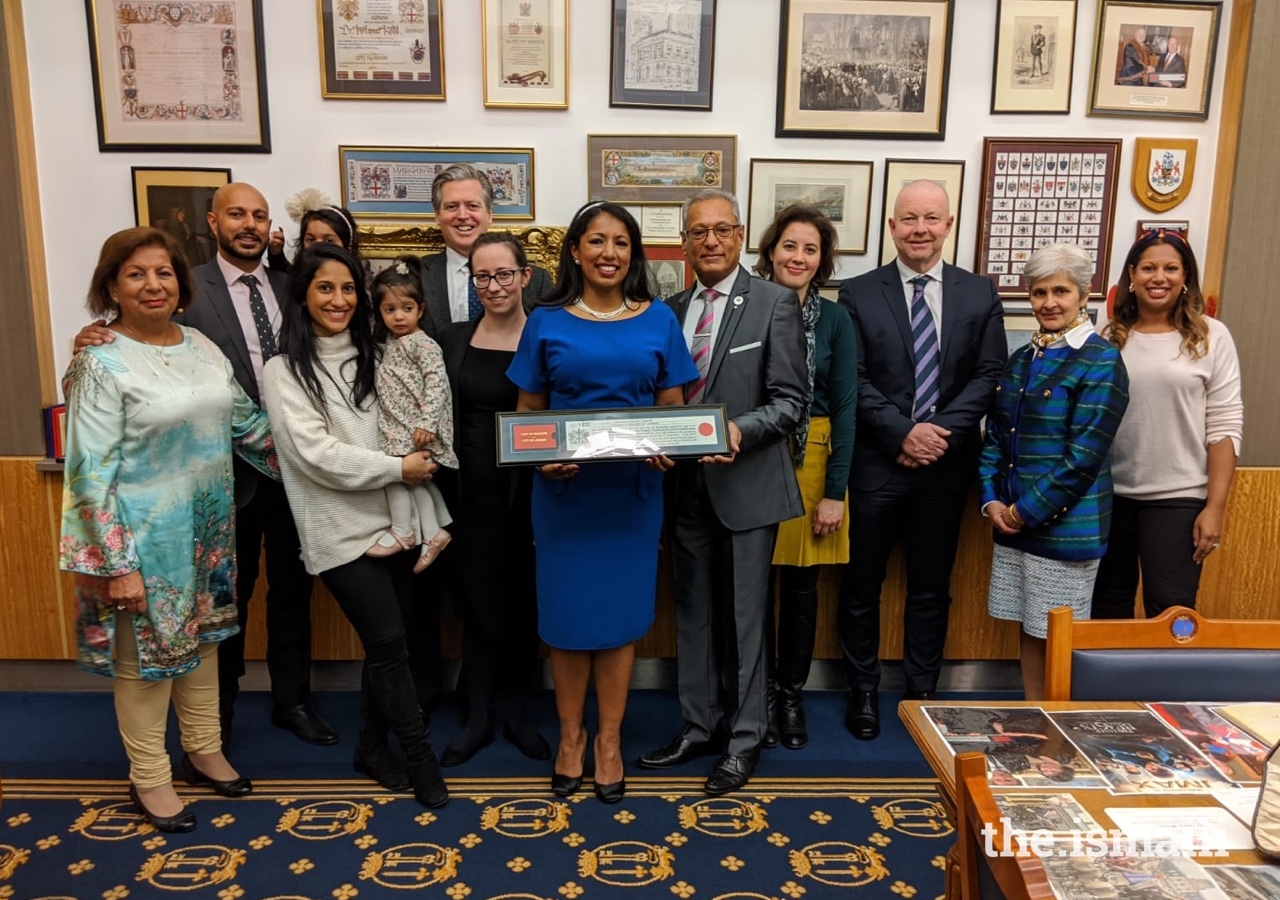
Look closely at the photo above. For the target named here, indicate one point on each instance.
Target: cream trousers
(142, 709)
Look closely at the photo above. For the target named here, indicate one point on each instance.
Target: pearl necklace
(622, 307)
(158, 348)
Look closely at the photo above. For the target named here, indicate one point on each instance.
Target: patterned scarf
(810, 312)
(1043, 339)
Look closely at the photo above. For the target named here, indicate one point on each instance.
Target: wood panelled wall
(37, 602)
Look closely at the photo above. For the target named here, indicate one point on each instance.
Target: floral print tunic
(413, 392)
(148, 488)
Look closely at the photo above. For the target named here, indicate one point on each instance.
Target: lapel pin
(737, 301)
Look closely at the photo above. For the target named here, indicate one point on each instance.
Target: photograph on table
(381, 51)
(395, 182)
(840, 189)
(1058, 813)
(1023, 747)
(669, 270)
(525, 53)
(1035, 46)
(1037, 192)
(1154, 59)
(864, 68)
(1236, 754)
(208, 96)
(948, 174)
(646, 168)
(662, 54)
(1090, 876)
(1247, 882)
(1137, 753)
(178, 201)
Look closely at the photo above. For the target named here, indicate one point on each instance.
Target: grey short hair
(461, 172)
(708, 194)
(1068, 259)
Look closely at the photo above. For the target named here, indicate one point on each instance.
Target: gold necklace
(158, 348)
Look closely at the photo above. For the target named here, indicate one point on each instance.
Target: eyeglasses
(722, 233)
(504, 277)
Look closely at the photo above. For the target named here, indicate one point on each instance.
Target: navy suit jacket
(974, 352)
(213, 314)
(435, 284)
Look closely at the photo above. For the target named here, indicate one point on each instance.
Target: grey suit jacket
(213, 314)
(758, 372)
(435, 284)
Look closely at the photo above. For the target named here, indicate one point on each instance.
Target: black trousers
(376, 594)
(1154, 536)
(927, 518)
(266, 518)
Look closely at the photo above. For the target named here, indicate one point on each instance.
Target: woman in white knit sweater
(321, 401)
(1174, 455)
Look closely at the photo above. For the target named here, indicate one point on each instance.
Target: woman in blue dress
(598, 341)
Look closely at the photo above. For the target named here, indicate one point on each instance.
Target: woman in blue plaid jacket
(1046, 480)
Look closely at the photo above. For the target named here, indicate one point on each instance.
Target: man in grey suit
(463, 202)
(747, 339)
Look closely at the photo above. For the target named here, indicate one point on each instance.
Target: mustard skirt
(797, 544)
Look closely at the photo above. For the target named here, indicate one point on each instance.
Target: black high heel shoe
(240, 787)
(566, 785)
(176, 824)
(611, 793)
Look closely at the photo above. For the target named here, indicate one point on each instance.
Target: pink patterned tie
(702, 344)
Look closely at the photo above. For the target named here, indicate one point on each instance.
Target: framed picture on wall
(662, 54)
(381, 51)
(1035, 47)
(864, 68)
(643, 168)
(178, 201)
(1037, 192)
(898, 173)
(210, 97)
(395, 182)
(1180, 227)
(1154, 59)
(669, 270)
(840, 189)
(525, 51)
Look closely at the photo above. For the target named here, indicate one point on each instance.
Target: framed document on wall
(395, 182)
(179, 76)
(644, 168)
(840, 189)
(526, 53)
(663, 53)
(381, 51)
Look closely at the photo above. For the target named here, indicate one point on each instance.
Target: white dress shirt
(932, 292)
(239, 292)
(721, 306)
(458, 274)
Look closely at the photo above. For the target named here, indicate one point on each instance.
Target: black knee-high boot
(374, 756)
(478, 679)
(797, 624)
(391, 684)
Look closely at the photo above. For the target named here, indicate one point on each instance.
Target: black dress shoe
(238, 787)
(466, 745)
(793, 730)
(862, 715)
(612, 793)
(305, 724)
(731, 773)
(676, 753)
(921, 695)
(180, 823)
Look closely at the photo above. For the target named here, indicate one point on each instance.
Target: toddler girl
(415, 410)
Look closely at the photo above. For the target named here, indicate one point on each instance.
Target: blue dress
(596, 534)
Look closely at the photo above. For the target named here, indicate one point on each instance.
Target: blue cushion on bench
(1190, 675)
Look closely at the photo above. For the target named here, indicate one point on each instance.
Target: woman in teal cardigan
(1046, 479)
(798, 250)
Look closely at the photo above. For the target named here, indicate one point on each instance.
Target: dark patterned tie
(924, 338)
(474, 307)
(261, 321)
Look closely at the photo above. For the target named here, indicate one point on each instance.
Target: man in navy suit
(931, 346)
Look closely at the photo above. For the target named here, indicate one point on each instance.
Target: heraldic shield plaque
(1162, 171)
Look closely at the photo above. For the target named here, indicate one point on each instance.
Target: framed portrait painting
(179, 76)
(381, 51)
(840, 189)
(1035, 46)
(178, 201)
(645, 168)
(526, 53)
(662, 54)
(948, 174)
(395, 182)
(1154, 59)
(864, 68)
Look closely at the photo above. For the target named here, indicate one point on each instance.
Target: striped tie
(702, 344)
(924, 336)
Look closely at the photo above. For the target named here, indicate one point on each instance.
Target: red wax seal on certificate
(706, 429)
(533, 437)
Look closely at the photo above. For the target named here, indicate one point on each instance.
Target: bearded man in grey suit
(747, 338)
(463, 201)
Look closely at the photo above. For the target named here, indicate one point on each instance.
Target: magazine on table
(1236, 753)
